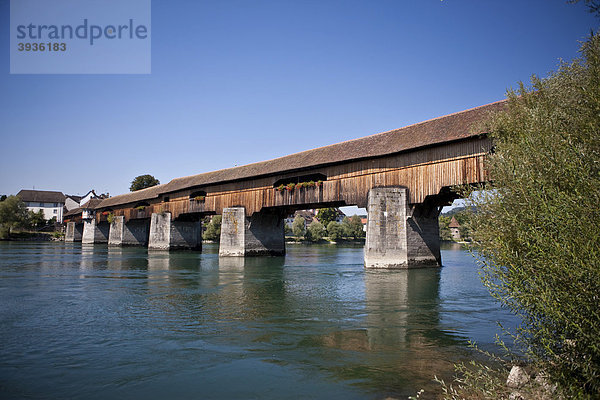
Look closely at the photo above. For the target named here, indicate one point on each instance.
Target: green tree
(298, 226)
(444, 222)
(213, 229)
(315, 231)
(3, 197)
(13, 214)
(538, 227)
(346, 226)
(334, 231)
(326, 215)
(36, 219)
(143, 182)
(357, 227)
(593, 5)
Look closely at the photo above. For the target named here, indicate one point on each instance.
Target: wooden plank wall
(425, 172)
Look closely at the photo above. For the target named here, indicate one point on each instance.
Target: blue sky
(234, 82)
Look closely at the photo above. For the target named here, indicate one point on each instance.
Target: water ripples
(96, 322)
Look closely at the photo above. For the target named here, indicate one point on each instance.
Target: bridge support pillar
(132, 233)
(261, 234)
(95, 233)
(400, 235)
(74, 232)
(167, 234)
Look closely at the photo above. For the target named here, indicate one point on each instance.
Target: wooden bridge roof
(449, 128)
(133, 197)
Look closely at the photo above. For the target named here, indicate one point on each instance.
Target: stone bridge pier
(134, 232)
(169, 234)
(400, 235)
(95, 232)
(259, 234)
(74, 232)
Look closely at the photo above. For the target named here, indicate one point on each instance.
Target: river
(95, 322)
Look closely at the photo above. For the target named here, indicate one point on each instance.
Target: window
(55, 204)
(41, 204)
(54, 211)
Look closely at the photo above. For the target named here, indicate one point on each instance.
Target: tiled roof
(75, 211)
(453, 223)
(133, 197)
(449, 128)
(74, 197)
(91, 204)
(41, 196)
(444, 129)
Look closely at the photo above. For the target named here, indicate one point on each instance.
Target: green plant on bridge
(110, 218)
(300, 185)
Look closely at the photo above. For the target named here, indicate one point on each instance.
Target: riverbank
(320, 242)
(32, 237)
(325, 241)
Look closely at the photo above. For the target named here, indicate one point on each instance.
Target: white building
(72, 201)
(51, 203)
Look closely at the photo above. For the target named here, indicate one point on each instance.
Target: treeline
(14, 216)
(349, 228)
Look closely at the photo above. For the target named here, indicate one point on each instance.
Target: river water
(93, 322)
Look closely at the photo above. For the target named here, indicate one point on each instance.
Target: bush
(334, 231)
(13, 215)
(213, 229)
(538, 228)
(315, 231)
(298, 227)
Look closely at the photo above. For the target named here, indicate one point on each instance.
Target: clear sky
(234, 82)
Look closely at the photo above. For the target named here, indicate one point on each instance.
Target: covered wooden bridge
(403, 177)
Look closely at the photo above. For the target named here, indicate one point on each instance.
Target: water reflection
(251, 288)
(402, 334)
(311, 324)
(159, 262)
(87, 259)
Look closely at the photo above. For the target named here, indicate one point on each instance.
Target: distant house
(311, 215)
(308, 215)
(82, 207)
(51, 203)
(88, 210)
(339, 215)
(454, 229)
(72, 202)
